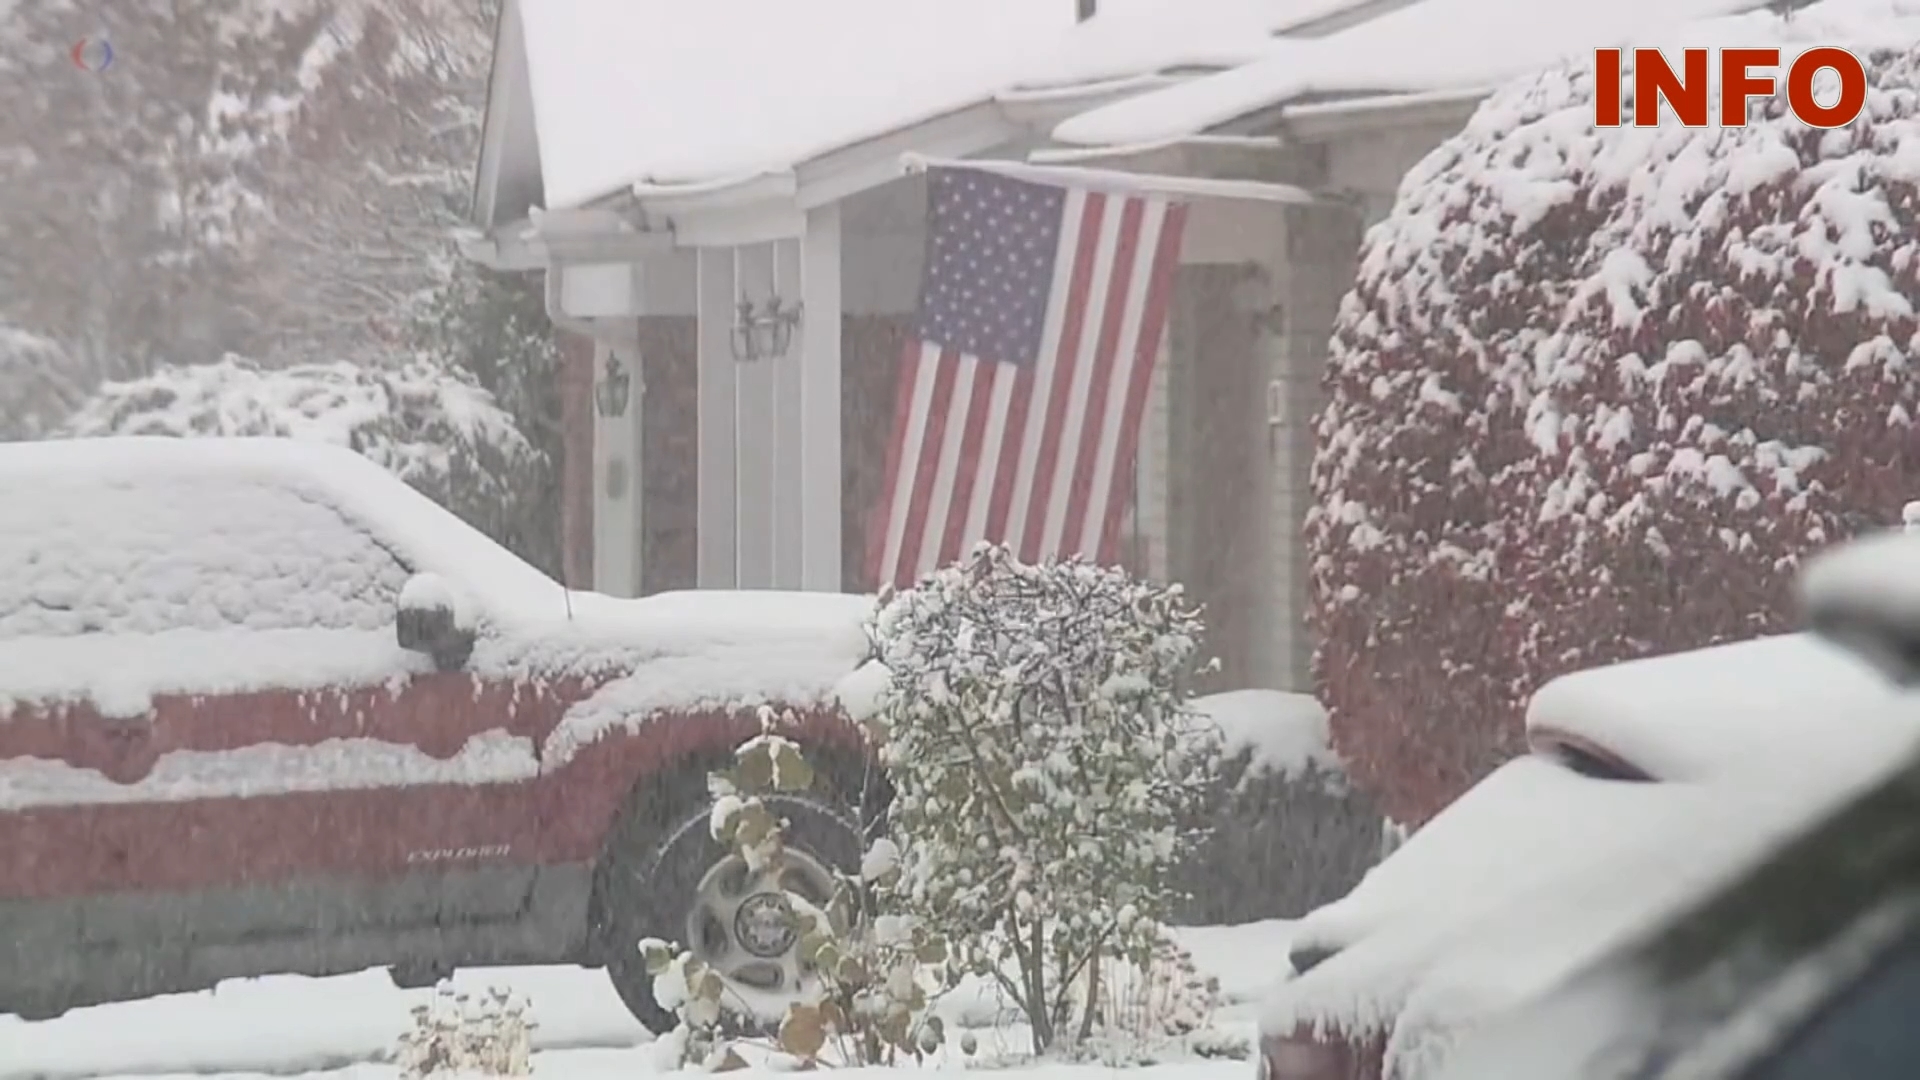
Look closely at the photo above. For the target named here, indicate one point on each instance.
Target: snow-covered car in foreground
(264, 708)
(1646, 782)
(1804, 964)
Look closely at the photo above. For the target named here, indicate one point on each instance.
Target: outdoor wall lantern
(764, 331)
(615, 389)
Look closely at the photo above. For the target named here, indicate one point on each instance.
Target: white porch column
(715, 487)
(818, 371)
(755, 435)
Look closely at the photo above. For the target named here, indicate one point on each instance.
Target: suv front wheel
(669, 879)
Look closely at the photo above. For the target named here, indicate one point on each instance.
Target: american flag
(1022, 391)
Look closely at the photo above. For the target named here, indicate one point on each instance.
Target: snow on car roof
(1534, 817)
(1707, 712)
(1693, 840)
(1533, 872)
(696, 649)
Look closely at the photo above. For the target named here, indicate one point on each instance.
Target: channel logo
(92, 54)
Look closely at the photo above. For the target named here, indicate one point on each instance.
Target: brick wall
(669, 431)
(870, 349)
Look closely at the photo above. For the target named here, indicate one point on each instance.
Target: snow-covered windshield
(84, 554)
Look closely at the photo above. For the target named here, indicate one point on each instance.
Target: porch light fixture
(764, 331)
(615, 390)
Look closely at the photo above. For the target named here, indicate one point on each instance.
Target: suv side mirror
(431, 618)
(1865, 596)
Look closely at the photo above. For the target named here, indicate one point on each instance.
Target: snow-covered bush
(1301, 835)
(1143, 1011)
(1596, 393)
(1035, 728)
(429, 425)
(494, 327)
(462, 1034)
(871, 977)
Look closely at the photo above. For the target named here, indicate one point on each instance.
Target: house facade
(696, 460)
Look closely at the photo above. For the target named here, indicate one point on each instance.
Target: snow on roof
(1131, 37)
(1468, 44)
(667, 92)
(1530, 874)
(1284, 733)
(663, 92)
(1709, 712)
(165, 565)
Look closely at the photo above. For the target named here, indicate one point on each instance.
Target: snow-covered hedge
(1294, 833)
(428, 424)
(1596, 393)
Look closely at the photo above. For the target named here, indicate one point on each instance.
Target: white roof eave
(1385, 111)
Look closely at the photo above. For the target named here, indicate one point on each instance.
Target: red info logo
(1744, 74)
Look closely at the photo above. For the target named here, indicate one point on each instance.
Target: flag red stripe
(879, 574)
(1071, 331)
(1106, 365)
(939, 412)
(1153, 327)
(1008, 471)
(964, 476)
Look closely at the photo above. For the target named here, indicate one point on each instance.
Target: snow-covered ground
(344, 1027)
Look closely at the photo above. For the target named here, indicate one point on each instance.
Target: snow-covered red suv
(264, 708)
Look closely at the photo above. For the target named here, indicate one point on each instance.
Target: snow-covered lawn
(342, 1027)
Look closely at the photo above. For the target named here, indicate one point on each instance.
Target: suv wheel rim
(742, 925)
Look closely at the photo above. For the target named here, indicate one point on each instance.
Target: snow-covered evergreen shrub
(1296, 841)
(872, 976)
(456, 1033)
(1301, 835)
(1595, 393)
(1034, 725)
(494, 327)
(428, 424)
